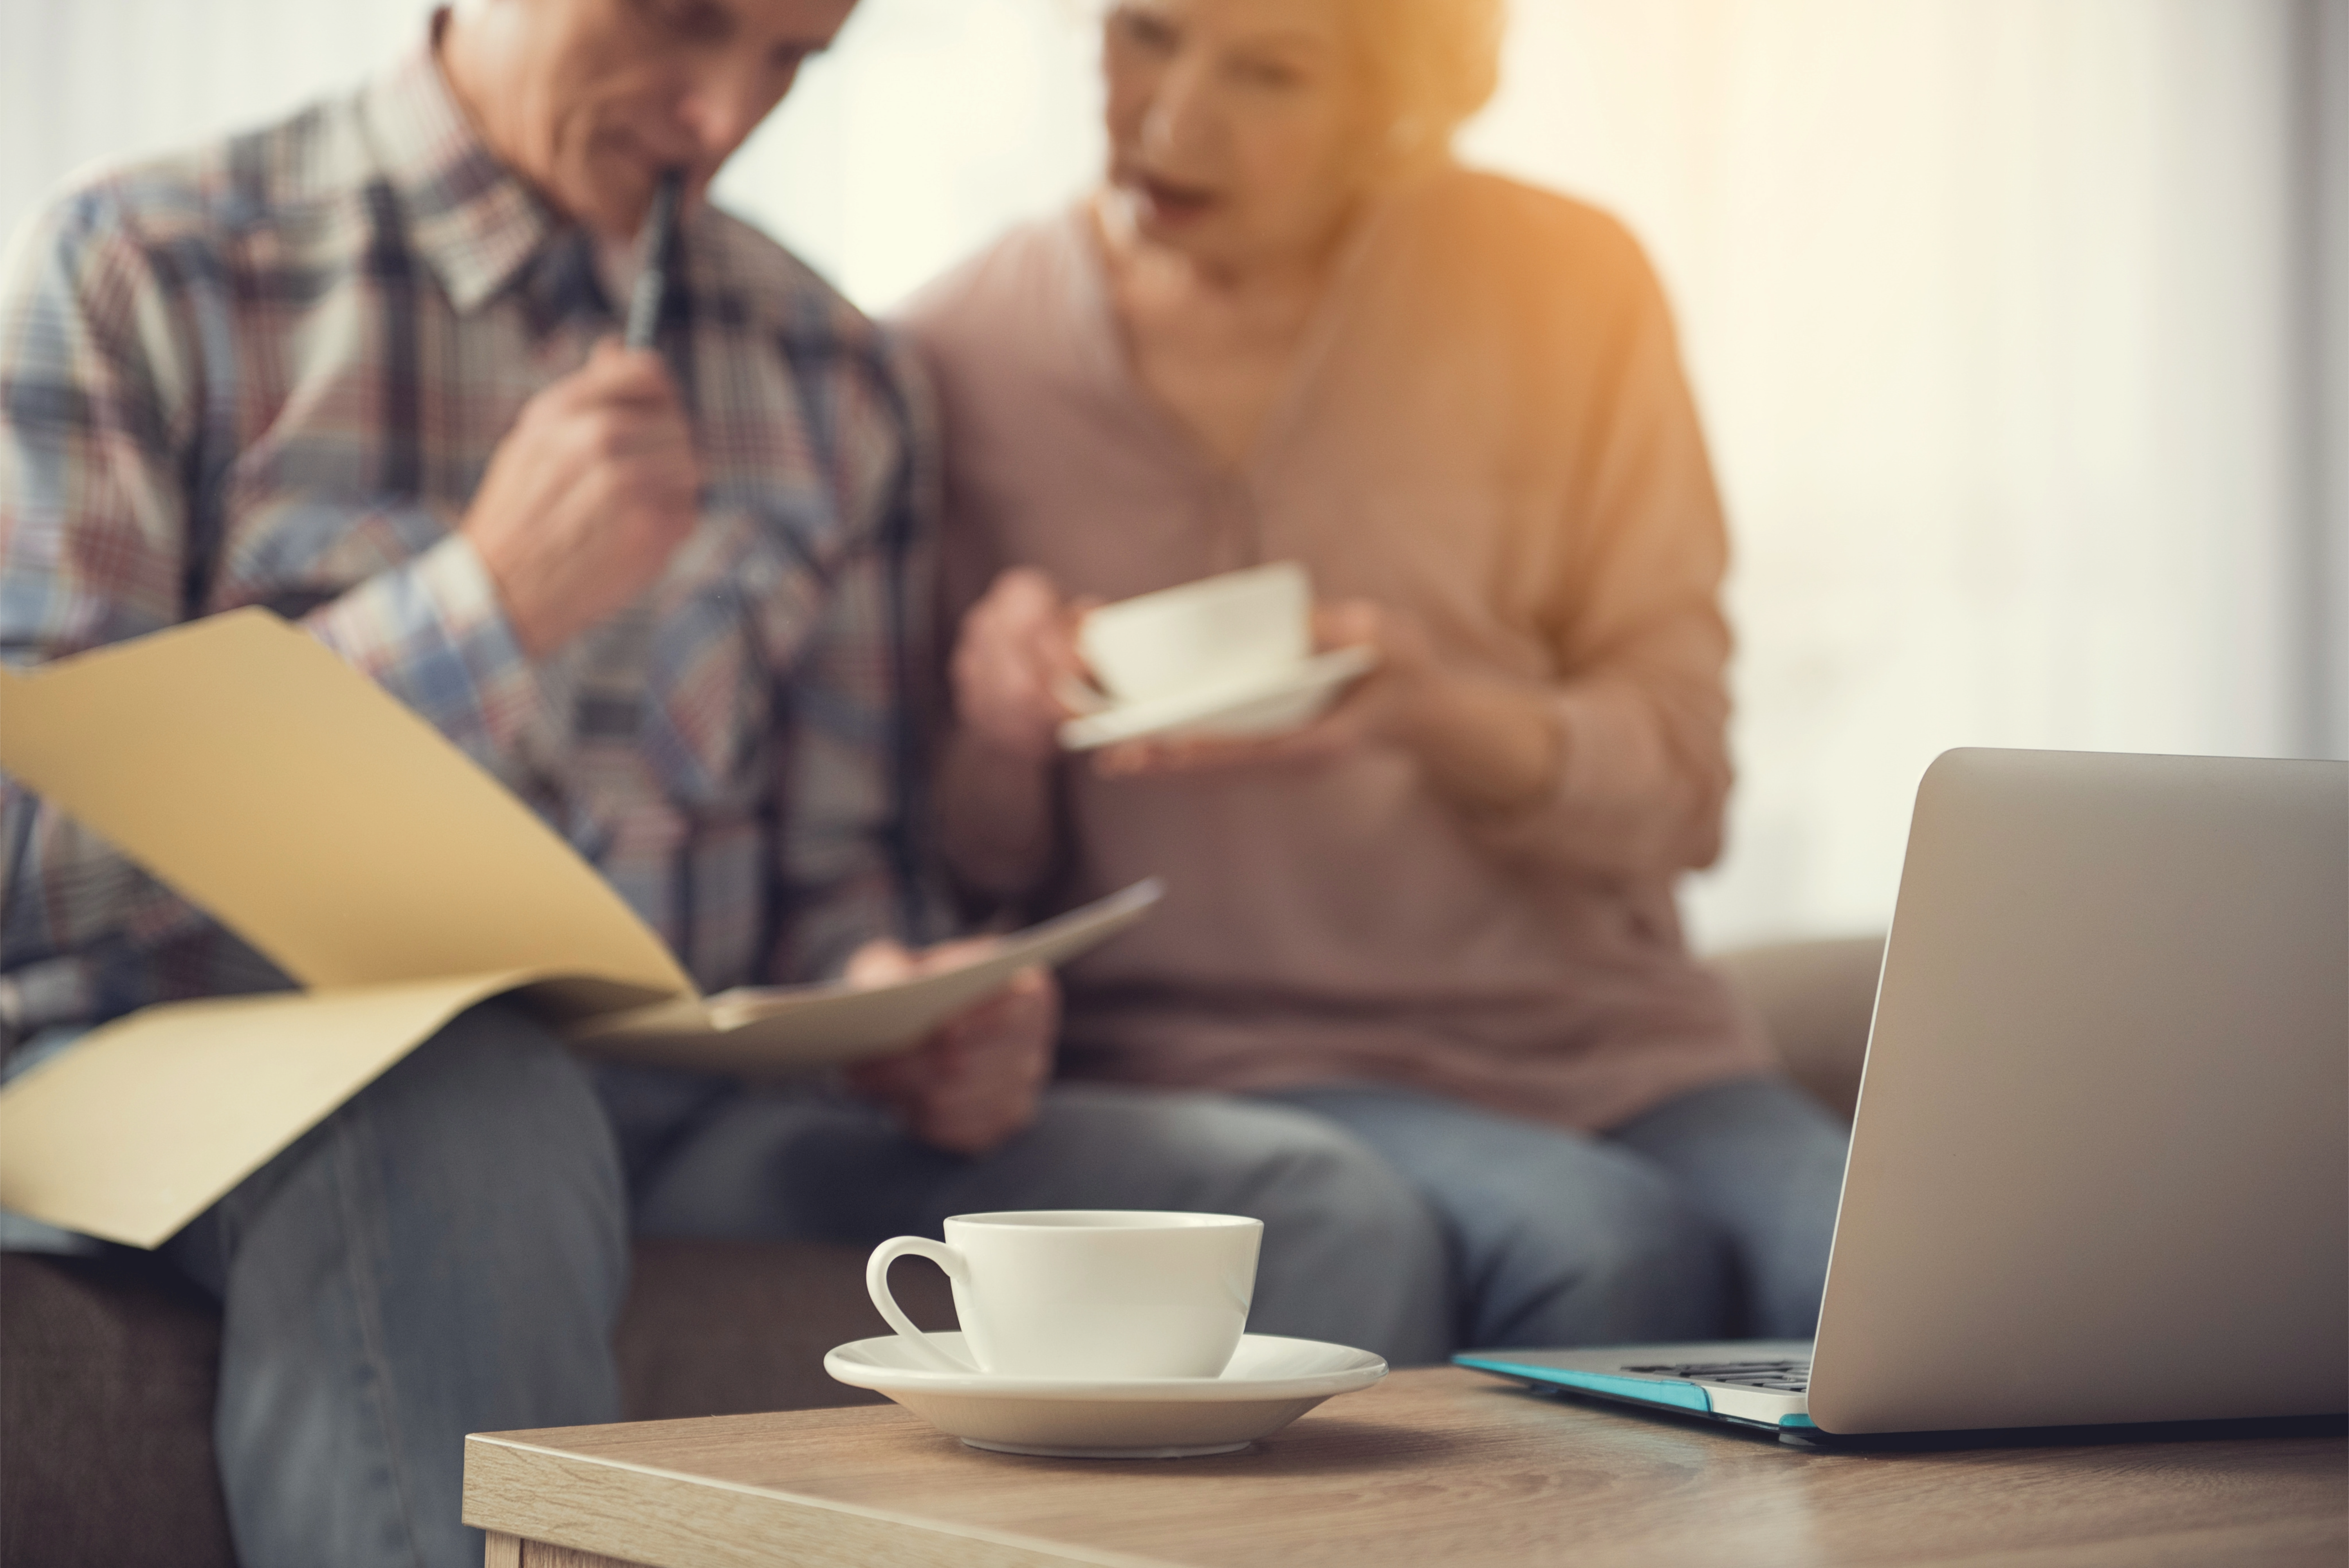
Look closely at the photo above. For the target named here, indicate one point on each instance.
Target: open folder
(246, 765)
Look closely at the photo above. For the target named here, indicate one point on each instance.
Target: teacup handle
(876, 1285)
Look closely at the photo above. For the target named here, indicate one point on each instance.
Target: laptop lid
(2100, 1168)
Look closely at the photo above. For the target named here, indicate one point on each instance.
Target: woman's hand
(1014, 659)
(1014, 656)
(1488, 742)
(977, 1080)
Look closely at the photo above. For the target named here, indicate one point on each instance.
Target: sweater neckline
(1108, 357)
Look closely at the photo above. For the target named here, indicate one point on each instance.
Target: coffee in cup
(1092, 1293)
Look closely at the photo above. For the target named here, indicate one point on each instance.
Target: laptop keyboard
(1777, 1376)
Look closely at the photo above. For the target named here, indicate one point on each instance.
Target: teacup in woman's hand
(1095, 1294)
(1223, 628)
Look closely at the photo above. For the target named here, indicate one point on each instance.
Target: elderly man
(357, 367)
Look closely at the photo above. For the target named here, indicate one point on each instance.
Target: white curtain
(1998, 310)
(1986, 302)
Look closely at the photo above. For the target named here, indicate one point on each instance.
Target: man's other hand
(587, 496)
(977, 1080)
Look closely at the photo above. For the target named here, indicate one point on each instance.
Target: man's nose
(724, 103)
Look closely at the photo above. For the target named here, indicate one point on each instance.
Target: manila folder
(250, 768)
(246, 765)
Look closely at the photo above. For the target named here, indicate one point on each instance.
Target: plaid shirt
(274, 371)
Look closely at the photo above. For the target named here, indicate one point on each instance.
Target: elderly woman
(1289, 327)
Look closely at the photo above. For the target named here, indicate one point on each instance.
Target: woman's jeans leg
(1351, 1252)
(1763, 1161)
(1556, 1238)
(1706, 1217)
(447, 1254)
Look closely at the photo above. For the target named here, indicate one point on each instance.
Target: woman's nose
(1180, 119)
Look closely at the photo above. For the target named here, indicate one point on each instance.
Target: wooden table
(1436, 1467)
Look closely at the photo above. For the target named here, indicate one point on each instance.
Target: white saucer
(1259, 704)
(1271, 1382)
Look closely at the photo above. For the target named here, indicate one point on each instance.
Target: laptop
(2099, 1172)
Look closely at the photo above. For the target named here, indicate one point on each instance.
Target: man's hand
(976, 1081)
(587, 496)
(1015, 657)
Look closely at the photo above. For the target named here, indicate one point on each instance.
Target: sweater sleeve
(1639, 640)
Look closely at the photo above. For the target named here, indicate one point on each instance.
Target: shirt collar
(472, 220)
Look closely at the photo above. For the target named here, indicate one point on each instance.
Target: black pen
(652, 278)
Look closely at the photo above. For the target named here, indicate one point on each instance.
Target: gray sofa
(107, 1363)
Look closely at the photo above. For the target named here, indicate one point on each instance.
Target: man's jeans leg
(1351, 1252)
(447, 1254)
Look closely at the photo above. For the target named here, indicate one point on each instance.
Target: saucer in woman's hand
(1271, 1382)
(1263, 703)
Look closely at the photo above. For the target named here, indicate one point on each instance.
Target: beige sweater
(1488, 426)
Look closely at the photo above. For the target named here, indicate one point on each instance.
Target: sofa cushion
(1816, 999)
(108, 1368)
(724, 1328)
(107, 1372)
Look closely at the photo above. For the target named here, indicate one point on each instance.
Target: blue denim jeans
(1351, 1254)
(448, 1254)
(1706, 1217)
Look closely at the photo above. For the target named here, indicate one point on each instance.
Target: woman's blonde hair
(1431, 64)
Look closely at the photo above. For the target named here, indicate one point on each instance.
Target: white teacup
(1100, 1294)
(1203, 633)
